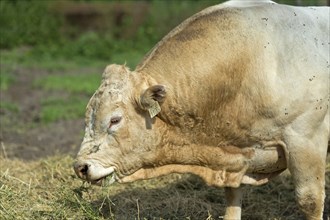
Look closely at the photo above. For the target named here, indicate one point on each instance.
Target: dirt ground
(22, 135)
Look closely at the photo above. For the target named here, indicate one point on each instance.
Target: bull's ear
(152, 98)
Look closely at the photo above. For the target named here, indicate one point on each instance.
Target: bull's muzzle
(94, 172)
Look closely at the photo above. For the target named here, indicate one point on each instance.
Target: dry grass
(48, 189)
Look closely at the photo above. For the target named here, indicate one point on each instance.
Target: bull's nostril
(81, 170)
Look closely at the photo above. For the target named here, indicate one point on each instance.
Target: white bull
(240, 92)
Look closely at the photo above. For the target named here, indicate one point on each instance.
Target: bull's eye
(114, 121)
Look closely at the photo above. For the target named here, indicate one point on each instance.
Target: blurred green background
(113, 31)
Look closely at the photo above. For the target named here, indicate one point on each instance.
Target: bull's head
(119, 138)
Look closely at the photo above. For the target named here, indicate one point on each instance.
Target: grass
(78, 84)
(76, 89)
(9, 106)
(5, 80)
(37, 58)
(54, 109)
(49, 189)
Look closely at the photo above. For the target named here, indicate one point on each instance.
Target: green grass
(9, 106)
(78, 89)
(6, 80)
(35, 58)
(79, 83)
(62, 109)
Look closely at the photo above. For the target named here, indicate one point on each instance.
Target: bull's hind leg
(234, 203)
(307, 166)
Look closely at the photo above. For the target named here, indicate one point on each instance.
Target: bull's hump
(197, 27)
(200, 26)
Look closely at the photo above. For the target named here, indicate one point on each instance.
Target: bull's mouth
(105, 180)
(95, 173)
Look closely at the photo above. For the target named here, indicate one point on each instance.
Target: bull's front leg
(308, 172)
(234, 203)
(306, 162)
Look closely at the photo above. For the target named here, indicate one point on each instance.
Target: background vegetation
(98, 30)
(52, 54)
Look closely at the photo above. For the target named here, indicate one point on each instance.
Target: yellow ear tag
(154, 109)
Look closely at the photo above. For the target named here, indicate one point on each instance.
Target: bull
(236, 94)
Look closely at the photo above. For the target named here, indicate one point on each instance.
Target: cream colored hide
(235, 94)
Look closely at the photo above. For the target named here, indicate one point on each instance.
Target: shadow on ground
(189, 198)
